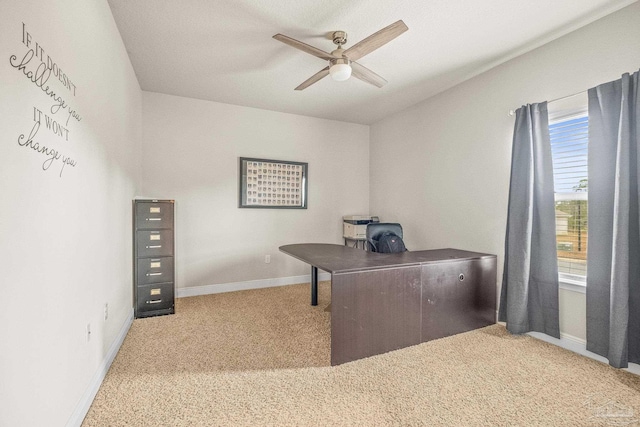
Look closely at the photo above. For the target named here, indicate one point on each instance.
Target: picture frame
(272, 184)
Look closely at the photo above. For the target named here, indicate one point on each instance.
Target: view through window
(569, 138)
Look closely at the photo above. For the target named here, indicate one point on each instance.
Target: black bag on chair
(390, 243)
(375, 231)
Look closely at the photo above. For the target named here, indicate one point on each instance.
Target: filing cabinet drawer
(154, 297)
(155, 270)
(153, 215)
(154, 243)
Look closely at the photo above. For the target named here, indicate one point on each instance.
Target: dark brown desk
(383, 302)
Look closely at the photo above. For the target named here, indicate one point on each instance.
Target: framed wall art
(272, 184)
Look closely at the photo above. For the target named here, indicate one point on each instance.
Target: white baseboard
(94, 385)
(250, 284)
(578, 345)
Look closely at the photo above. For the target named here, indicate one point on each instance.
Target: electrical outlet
(88, 331)
(267, 259)
(106, 310)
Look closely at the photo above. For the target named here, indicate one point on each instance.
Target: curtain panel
(529, 295)
(613, 260)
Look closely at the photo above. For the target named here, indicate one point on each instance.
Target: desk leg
(314, 285)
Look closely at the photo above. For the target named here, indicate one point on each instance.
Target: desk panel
(383, 302)
(373, 312)
(458, 296)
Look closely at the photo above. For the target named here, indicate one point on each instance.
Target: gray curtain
(529, 297)
(613, 260)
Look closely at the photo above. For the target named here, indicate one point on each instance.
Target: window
(569, 139)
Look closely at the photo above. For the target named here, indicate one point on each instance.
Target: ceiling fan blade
(311, 80)
(303, 46)
(375, 40)
(366, 75)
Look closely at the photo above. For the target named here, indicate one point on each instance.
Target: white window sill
(573, 283)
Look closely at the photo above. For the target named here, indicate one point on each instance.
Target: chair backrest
(377, 229)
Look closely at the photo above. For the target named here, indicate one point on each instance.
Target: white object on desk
(354, 227)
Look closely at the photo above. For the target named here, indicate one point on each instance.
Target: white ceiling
(223, 50)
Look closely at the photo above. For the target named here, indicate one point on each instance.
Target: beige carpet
(261, 358)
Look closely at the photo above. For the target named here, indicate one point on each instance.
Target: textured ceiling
(224, 51)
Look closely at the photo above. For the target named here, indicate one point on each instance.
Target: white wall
(191, 150)
(65, 248)
(452, 153)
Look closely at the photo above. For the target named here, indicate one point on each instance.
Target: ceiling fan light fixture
(340, 71)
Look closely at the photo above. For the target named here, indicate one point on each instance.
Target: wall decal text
(39, 67)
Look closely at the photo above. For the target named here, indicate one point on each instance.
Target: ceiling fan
(342, 63)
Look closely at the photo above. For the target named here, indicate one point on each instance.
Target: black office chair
(376, 230)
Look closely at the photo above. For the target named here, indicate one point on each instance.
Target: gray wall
(452, 152)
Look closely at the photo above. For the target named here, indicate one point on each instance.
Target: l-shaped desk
(384, 302)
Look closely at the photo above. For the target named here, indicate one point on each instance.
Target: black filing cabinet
(153, 257)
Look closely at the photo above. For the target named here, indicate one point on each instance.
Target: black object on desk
(376, 230)
(383, 302)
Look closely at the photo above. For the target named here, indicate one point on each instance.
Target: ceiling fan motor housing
(335, 61)
(339, 37)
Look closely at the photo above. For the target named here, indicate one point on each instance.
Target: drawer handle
(461, 277)
(153, 247)
(154, 274)
(153, 219)
(155, 301)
